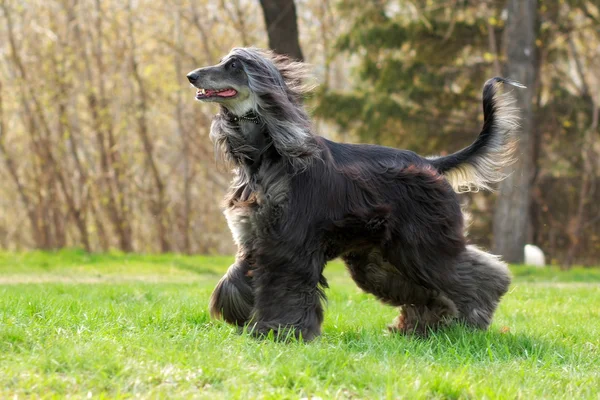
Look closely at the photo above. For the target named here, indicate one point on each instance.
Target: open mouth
(208, 93)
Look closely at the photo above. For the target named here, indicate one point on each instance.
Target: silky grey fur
(484, 279)
(298, 200)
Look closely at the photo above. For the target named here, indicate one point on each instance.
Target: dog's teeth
(203, 91)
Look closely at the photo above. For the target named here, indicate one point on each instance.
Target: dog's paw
(403, 326)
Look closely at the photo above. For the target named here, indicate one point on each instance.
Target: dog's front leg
(288, 296)
(233, 298)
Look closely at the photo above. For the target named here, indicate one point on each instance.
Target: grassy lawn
(117, 326)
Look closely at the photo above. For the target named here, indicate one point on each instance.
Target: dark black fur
(390, 214)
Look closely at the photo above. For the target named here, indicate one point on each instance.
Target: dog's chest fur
(258, 192)
(256, 207)
(241, 224)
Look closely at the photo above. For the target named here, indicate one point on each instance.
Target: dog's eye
(233, 65)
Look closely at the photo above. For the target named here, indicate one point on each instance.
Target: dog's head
(271, 86)
(225, 83)
(248, 79)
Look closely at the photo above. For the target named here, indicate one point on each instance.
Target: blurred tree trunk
(74, 193)
(159, 205)
(12, 170)
(588, 174)
(78, 209)
(185, 140)
(52, 175)
(237, 18)
(575, 227)
(114, 165)
(282, 27)
(511, 219)
(196, 21)
(110, 159)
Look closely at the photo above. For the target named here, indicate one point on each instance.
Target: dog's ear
(233, 298)
(296, 74)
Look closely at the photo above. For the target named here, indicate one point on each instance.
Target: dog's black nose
(192, 77)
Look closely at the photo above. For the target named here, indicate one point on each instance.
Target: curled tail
(480, 164)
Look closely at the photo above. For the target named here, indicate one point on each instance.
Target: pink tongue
(227, 93)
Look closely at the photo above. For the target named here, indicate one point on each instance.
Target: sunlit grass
(124, 337)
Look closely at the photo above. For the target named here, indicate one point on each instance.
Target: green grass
(116, 325)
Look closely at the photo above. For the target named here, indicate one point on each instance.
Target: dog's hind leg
(481, 280)
(473, 281)
(375, 275)
(422, 309)
(420, 319)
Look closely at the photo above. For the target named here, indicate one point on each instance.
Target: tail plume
(481, 164)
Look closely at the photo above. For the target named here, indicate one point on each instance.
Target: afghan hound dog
(298, 200)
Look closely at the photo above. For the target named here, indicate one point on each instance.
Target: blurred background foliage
(103, 147)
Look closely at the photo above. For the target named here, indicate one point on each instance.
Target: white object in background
(534, 256)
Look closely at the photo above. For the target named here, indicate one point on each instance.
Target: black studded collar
(249, 116)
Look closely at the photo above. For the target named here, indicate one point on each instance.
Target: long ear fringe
(296, 74)
(278, 85)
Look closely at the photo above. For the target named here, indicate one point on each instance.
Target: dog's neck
(242, 107)
(244, 140)
(250, 139)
